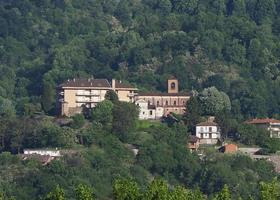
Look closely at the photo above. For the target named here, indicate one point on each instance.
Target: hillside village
(78, 94)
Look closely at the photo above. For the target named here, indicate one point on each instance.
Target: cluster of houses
(78, 93)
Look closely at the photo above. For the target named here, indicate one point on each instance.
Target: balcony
(87, 94)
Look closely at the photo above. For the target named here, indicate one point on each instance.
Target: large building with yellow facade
(77, 93)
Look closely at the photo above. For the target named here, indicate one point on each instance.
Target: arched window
(173, 85)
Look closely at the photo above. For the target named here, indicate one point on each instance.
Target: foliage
(103, 113)
(214, 101)
(224, 194)
(111, 96)
(126, 189)
(125, 116)
(78, 121)
(57, 194)
(84, 192)
(270, 191)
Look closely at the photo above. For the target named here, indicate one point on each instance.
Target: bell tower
(173, 86)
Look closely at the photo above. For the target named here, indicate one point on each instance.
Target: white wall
(53, 153)
(206, 130)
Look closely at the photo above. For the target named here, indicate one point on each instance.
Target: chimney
(211, 119)
(113, 84)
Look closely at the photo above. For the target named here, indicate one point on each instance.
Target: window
(173, 85)
(201, 135)
(201, 129)
(166, 103)
(149, 102)
(183, 102)
(137, 104)
(210, 129)
(151, 112)
(174, 103)
(157, 103)
(143, 113)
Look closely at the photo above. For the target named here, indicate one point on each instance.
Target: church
(172, 101)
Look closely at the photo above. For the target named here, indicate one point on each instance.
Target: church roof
(183, 94)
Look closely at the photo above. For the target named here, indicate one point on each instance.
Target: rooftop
(262, 121)
(82, 82)
(183, 94)
(208, 123)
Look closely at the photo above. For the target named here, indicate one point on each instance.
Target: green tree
(103, 113)
(270, 191)
(224, 194)
(84, 192)
(78, 121)
(7, 108)
(57, 194)
(125, 189)
(125, 116)
(111, 95)
(48, 97)
(214, 101)
(158, 189)
(192, 113)
(188, 6)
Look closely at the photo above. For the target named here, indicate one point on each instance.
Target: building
(271, 125)
(147, 111)
(42, 152)
(193, 143)
(229, 148)
(172, 101)
(78, 93)
(208, 132)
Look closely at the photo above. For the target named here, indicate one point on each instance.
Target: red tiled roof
(184, 94)
(262, 121)
(86, 83)
(207, 124)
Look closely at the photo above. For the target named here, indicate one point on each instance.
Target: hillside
(224, 52)
(232, 45)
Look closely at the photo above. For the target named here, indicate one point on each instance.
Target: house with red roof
(269, 124)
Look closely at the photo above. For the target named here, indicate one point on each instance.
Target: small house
(271, 125)
(208, 132)
(229, 148)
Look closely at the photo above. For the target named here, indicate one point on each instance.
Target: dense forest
(230, 44)
(228, 48)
